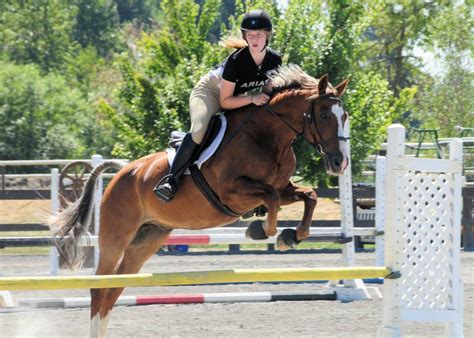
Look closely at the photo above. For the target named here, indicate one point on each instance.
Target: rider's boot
(168, 185)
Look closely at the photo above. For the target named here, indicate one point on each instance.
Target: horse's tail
(73, 222)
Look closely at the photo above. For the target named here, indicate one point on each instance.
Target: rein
(309, 121)
(270, 110)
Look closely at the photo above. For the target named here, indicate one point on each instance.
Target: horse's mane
(292, 77)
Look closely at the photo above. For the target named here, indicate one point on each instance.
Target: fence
(364, 212)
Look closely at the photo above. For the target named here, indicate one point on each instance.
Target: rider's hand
(260, 99)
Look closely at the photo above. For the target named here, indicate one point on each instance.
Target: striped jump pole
(177, 239)
(228, 297)
(191, 278)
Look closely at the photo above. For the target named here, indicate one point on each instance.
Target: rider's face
(256, 39)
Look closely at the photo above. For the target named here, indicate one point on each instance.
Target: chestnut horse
(252, 167)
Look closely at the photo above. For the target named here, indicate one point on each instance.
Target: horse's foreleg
(246, 188)
(289, 238)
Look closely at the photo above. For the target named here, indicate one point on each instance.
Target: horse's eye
(324, 116)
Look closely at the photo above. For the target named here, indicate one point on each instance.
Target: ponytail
(233, 42)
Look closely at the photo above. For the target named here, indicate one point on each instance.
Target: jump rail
(191, 278)
(316, 237)
(225, 297)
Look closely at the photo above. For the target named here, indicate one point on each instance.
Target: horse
(252, 167)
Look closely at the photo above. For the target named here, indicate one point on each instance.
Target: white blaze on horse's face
(342, 130)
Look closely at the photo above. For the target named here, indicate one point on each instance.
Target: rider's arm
(267, 89)
(227, 98)
(229, 101)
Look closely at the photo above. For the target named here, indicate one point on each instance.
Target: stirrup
(166, 188)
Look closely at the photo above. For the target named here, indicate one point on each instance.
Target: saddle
(211, 142)
(215, 125)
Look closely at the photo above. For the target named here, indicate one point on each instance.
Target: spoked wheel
(72, 180)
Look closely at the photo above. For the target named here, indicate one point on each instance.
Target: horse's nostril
(336, 162)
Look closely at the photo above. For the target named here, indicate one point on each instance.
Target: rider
(235, 83)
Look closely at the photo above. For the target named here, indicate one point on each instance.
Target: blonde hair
(232, 41)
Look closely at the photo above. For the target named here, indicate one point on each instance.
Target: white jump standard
(422, 238)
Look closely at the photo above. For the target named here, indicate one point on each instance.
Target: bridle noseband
(310, 123)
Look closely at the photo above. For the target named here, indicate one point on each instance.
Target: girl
(243, 72)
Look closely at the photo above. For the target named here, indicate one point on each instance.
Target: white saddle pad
(208, 152)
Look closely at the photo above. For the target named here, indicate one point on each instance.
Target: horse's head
(326, 125)
(324, 122)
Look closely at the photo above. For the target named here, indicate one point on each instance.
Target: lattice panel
(427, 218)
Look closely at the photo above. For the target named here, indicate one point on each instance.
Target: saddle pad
(206, 153)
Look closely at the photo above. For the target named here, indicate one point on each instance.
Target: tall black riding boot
(168, 185)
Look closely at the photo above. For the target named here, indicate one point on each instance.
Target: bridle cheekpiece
(309, 122)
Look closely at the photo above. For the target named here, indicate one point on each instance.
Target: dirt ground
(37, 211)
(276, 319)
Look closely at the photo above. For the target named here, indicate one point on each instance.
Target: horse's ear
(323, 84)
(341, 87)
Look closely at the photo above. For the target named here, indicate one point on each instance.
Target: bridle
(309, 122)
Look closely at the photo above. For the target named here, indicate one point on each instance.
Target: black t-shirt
(241, 69)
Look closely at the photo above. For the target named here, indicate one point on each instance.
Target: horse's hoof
(287, 240)
(255, 231)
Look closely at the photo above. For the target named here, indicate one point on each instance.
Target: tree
(96, 24)
(447, 97)
(142, 11)
(393, 31)
(37, 32)
(322, 37)
(42, 117)
(159, 76)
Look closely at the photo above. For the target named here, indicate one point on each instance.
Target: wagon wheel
(71, 181)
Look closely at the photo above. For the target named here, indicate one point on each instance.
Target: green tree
(96, 24)
(37, 32)
(322, 37)
(158, 78)
(41, 117)
(447, 98)
(142, 11)
(394, 29)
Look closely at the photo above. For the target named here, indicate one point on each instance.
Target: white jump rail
(17, 163)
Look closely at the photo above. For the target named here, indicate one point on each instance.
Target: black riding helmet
(255, 20)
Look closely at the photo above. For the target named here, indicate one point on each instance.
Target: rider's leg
(203, 104)
(168, 185)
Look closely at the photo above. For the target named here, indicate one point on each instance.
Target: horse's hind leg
(148, 240)
(114, 238)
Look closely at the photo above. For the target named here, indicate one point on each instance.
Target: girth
(210, 195)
